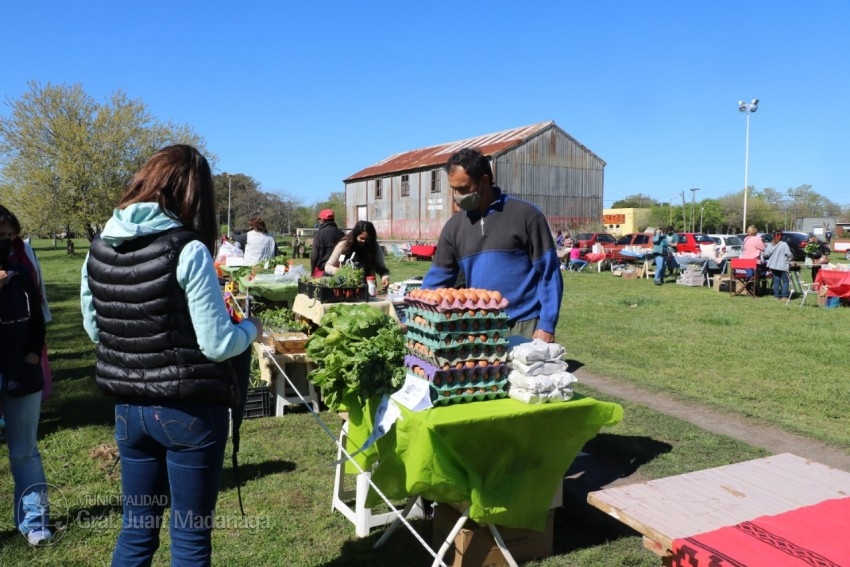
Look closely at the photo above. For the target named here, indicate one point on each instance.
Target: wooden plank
(693, 503)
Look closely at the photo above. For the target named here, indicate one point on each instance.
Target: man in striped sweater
(499, 243)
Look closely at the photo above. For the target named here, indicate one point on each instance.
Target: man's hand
(3, 277)
(543, 336)
(31, 358)
(385, 283)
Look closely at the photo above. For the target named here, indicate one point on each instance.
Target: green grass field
(756, 357)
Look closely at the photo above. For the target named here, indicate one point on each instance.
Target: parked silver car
(727, 246)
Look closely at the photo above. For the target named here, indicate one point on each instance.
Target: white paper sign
(385, 416)
(414, 394)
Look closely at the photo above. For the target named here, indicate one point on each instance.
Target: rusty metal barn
(407, 195)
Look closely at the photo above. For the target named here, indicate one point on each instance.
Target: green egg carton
(439, 341)
(441, 322)
(476, 392)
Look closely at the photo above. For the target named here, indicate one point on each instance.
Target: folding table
(669, 509)
(501, 460)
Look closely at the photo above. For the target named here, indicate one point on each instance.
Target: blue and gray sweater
(509, 249)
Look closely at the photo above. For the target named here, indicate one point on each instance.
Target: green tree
(336, 203)
(637, 201)
(65, 159)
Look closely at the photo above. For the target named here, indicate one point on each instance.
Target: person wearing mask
(753, 245)
(817, 254)
(659, 250)
(23, 254)
(21, 382)
(324, 241)
(260, 245)
(360, 247)
(778, 256)
(151, 301)
(672, 247)
(497, 242)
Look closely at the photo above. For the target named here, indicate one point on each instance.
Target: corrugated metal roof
(488, 144)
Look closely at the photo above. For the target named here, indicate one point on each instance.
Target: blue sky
(300, 95)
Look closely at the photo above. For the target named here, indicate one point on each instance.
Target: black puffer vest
(148, 350)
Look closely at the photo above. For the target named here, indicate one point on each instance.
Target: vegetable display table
(837, 282)
(504, 458)
(313, 309)
(296, 367)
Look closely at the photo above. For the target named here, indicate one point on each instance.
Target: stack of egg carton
(456, 340)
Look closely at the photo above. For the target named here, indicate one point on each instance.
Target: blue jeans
(659, 268)
(780, 284)
(173, 454)
(31, 510)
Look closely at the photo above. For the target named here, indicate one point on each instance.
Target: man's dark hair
(473, 162)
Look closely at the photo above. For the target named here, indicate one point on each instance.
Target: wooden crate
(287, 343)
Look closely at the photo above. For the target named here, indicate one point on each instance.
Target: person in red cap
(324, 242)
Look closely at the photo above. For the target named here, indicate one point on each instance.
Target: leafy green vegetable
(347, 276)
(279, 320)
(357, 349)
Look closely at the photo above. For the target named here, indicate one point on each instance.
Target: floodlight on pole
(747, 108)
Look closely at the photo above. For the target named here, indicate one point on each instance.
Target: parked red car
(690, 241)
(586, 240)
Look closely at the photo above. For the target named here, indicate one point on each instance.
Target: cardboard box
(630, 275)
(474, 545)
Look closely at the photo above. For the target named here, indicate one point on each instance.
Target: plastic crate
(333, 294)
(259, 403)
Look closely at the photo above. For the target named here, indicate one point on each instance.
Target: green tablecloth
(272, 291)
(504, 458)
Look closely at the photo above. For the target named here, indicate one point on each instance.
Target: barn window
(435, 181)
(405, 185)
(379, 192)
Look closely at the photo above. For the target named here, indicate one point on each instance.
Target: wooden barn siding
(556, 174)
(419, 216)
(551, 170)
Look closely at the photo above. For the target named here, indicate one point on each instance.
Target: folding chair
(397, 253)
(744, 277)
(721, 270)
(798, 287)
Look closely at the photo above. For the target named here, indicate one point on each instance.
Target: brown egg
(470, 364)
(482, 363)
(496, 296)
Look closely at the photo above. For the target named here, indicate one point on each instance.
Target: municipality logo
(44, 514)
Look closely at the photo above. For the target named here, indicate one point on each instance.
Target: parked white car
(727, 246)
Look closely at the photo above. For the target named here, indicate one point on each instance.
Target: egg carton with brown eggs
(437, 322)
(459, 354)
(457, 375)
(468, 393)
(448, 300)
(436, 341)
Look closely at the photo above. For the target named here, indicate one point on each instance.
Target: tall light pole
(693, 201)
(747, 108)
(228, 207)
(701, 211)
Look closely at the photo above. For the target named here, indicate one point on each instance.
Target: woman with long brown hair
(151, 300)
(360, 247)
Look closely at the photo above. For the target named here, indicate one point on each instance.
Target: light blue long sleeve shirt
(218, 337)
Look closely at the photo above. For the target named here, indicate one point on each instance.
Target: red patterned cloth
(810, 536)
